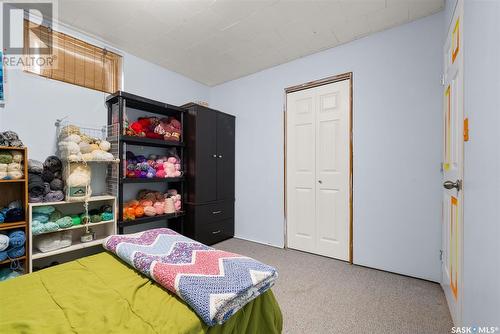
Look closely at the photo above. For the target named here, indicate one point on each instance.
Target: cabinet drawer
(216, 231)
(210, 213)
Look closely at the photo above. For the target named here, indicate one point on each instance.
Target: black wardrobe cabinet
(209, 139)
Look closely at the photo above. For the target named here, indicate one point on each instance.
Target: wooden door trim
(308, 85)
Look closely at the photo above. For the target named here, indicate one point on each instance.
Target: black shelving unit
(118, 104)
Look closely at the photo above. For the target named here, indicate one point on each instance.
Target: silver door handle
(220, 156)
(216, 232)
(216, 212)
(451, 185)
(320, 182)
(214, 155)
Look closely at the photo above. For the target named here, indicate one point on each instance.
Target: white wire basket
(77, 143)
(78, 147)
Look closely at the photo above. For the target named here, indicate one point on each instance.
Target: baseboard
(396, 273)
(258, 242)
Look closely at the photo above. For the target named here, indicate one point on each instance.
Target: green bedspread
(100, 294)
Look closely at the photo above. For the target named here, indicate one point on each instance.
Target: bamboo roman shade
(76, 61)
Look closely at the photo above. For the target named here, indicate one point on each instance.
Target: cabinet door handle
(214, 155)
(220, 156)
(216, 212)
(216, 232)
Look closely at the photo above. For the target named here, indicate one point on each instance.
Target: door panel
(318, 170)
(206, 156)
(301, 196)
(332, 170)
(225, 156)
(453, 116)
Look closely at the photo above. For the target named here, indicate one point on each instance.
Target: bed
(101, 294)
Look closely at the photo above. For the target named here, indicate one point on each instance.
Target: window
(77, 62)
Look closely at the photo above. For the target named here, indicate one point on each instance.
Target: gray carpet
(322, 295)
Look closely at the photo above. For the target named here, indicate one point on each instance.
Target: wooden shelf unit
(13, 190)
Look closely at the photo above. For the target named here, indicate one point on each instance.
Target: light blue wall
(397, 145)
(481, 299)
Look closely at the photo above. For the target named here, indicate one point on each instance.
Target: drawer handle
(216, 212)
(216, 232)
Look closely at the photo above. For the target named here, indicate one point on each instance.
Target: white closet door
(301, 171)
(332, 170)
(318, 165)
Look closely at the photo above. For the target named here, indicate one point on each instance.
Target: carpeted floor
(321, 295)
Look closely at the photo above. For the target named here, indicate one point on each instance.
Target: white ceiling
(213, 41)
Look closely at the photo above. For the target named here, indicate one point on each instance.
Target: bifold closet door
(318, 170)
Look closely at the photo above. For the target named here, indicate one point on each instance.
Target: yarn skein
(17, 239)
(54, 196)
(52, 163)
(4, 242)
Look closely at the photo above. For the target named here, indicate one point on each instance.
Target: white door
(453, 140)
(318, 170)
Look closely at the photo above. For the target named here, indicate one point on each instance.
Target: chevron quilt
(214, 283)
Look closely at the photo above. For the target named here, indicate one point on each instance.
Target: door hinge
(442, 79)
(441, 255)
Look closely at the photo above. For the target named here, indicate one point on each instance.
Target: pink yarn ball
(160, 173)
(145, 203)
(159, 207)
(172, 160)
(149, 211)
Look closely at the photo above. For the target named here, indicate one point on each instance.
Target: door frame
(308, 85)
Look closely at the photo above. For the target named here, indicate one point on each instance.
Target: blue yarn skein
(2, 218)
(106, 216)
(17, 239)
(6, 273)
(42, 218)
(16, 252)
(3, 255)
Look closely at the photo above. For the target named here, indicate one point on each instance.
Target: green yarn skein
(56, 215)
(95, 218)
(46, 210)
(65, 222)
(37, 229)
(5, 158)
(50, 227)
(85, 218)
(76, 220)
